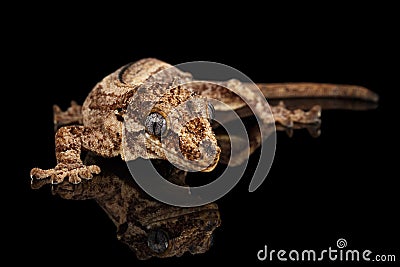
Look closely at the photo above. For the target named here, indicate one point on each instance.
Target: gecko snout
(198, 144)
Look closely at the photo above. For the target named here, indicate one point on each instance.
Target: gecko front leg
(69, 163)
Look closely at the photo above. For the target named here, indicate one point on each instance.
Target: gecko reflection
(153, 229)
(149, 227)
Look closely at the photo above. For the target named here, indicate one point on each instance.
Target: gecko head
(178, 129)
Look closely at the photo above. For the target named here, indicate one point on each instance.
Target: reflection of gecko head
(150, 228)
(171, 231)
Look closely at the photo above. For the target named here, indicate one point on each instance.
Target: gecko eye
(211, 111)
(157, 241)
(155, 124)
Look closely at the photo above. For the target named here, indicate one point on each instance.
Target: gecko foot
(307, 117)
(75, 174)
(288, 118)
(73, 115)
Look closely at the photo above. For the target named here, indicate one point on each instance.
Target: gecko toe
(314, 114)
(58, 177)
(74, 178)
(85, 173)
(37, 173)
(94, 169)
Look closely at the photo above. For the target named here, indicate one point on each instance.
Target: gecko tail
(316, 90)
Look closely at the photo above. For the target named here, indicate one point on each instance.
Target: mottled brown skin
(136, 215)
(100, 128)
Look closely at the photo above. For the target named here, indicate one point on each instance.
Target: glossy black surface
(343, 184)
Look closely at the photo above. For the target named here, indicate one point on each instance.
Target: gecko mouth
(186, 159)
(199, 212)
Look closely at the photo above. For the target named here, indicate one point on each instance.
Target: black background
(340, 185)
